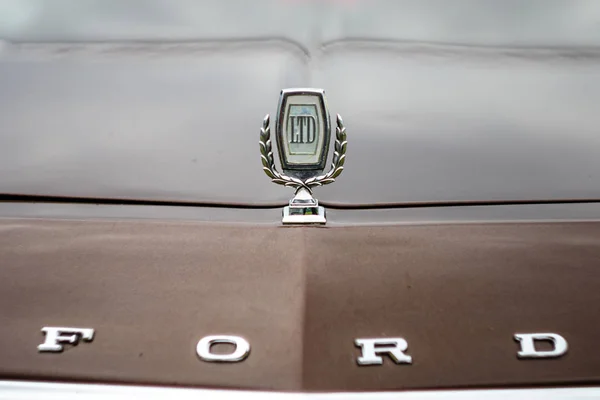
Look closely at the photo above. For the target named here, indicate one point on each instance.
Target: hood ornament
(303, 135)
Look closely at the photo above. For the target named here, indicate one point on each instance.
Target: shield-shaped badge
(303, 131)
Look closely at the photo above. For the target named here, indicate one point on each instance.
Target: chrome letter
(527, 342)
(54, 337)
(394, 347)
(241, 351)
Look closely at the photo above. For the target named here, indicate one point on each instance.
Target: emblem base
(303, 210)
(304, 216)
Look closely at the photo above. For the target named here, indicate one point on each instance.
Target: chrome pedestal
(304, 210)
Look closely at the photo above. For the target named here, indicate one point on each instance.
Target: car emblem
(303, 133)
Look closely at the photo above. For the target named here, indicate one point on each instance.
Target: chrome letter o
(241, 351)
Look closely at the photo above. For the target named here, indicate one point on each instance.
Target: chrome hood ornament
(303, 133)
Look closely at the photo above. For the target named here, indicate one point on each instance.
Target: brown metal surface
(151, 291)
(457, 293)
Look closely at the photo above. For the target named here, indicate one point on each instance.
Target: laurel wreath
(337, 163)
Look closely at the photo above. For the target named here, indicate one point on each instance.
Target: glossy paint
(301, 296)
(442, 101)
(472, 101)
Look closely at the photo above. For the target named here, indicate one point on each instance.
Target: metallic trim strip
(66, 391)
(272, 217)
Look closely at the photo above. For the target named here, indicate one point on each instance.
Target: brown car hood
(456, 293)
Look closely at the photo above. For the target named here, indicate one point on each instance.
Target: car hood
(151, 290)
(179, 120)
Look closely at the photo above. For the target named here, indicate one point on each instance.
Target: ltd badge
(303, 132)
